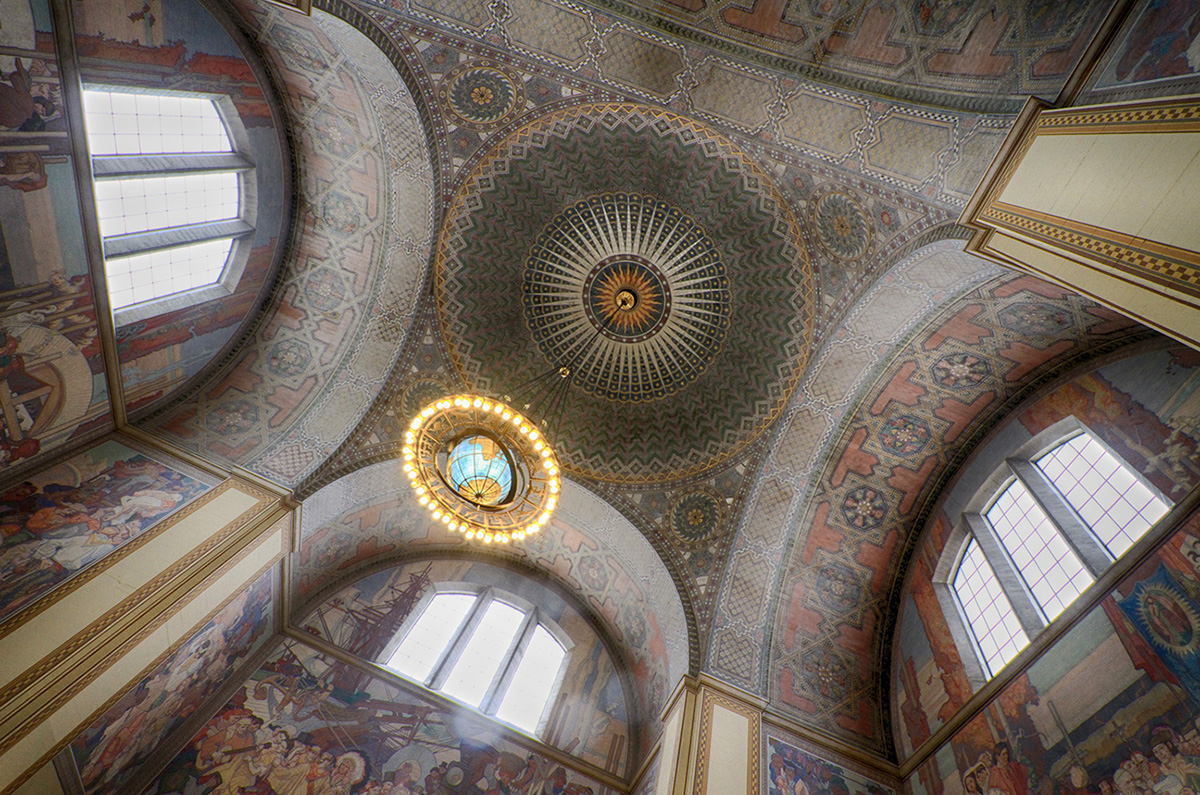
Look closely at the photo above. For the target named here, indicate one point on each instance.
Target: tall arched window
(486, 649)
(174, 190)
(1050, 525)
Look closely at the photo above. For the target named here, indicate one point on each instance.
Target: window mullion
(127, 166)
(1077, 534)
(140, 242)
(1029, 613)
(454, 649)
(495, 692)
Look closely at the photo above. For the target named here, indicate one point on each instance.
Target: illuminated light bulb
(470, 534)
(420, 490)
(537, 445)
(545, 517)
(504, 539)
(428, 411)
(506, 415)
(517, 419)
(477, 403)
(518, 535)
(445, 518)
(486, 406)
(525, 429)
(454, 525)
(548, 464)
(416, 423)
(487, 539)
(424, 500)
(408, 467)
(533, 435)
(436, 514)
(545, 454)
(408, 456)
(553, 470)
(412, 475)
(498, 409)
(551, 503)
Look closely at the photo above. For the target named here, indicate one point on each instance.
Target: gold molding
(1160, 263)
(711, 697)
(1156, 116)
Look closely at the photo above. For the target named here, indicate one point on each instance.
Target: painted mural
(794, 771)
(51, 374)
(1147, 409)
(1161, 45)
(1112, 707)
(590, 718)
(71, 515)
(177, 45)
(115, 745)
(291, 730)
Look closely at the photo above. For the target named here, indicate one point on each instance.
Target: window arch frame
(452, 650)
(240, 231)
(1019, 464)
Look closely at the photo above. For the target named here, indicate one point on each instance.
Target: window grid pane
(1114, 503)
(529, 689)
(123, 123)
(989, 613)
(436, 628)
(155, 274)
(1051, 569)
(144, 204)
(485, 651)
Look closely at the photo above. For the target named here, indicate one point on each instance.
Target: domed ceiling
(649, 256)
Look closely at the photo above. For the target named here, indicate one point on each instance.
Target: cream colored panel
(729, 753)
(35, 639)
(668, 751)
(1143, 184)
(71, 716)
(43, 782)
(1150, 307)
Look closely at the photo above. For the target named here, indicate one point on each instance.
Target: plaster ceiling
(560, 178)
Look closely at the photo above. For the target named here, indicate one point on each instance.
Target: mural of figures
(50, 364)
(1162, 43)
(118, 742)
(1147, 409)
(794, 771)
(591, 720)
(1113, 707)
(291, 731)
(72, 515)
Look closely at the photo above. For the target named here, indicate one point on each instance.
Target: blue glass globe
(480, 470)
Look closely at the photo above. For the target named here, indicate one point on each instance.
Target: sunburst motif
(643, 275)
(626, 297)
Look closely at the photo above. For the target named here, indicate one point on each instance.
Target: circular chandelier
(481, 468)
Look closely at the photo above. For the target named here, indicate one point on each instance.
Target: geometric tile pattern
(699, 413)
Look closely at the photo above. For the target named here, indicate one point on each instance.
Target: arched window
(486, 649)
(1049, 525)
(173, 191)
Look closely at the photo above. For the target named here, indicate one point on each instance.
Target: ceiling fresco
(743, 246)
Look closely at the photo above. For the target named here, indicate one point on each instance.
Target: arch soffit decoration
(347, 292)
(964, 353)
(368, 518)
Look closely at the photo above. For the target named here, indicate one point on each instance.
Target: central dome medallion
(632, 291)
(652, 257)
